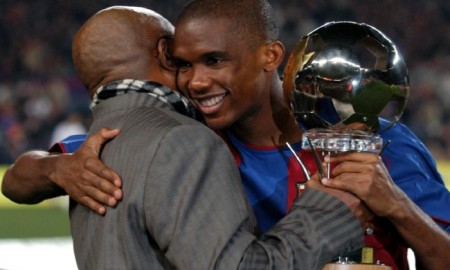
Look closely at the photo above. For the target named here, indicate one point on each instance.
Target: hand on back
(84, 176)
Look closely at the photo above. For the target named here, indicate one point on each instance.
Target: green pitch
(444, 169)
(47, 219)
(33, 222)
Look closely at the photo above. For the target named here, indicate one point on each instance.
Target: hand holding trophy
(338, 80)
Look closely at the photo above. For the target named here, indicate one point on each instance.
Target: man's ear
(163, 54)
(274, 55)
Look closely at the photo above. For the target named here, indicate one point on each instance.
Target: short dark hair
(253, 20)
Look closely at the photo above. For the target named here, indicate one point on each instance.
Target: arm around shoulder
(29, 181)
(40, 175)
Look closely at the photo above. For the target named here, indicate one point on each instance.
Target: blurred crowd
(41, 100)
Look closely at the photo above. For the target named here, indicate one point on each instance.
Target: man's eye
(213, 61)
(182, 64)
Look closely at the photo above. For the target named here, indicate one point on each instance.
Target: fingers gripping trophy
(338, 80)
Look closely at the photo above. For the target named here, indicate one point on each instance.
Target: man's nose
(199, 81)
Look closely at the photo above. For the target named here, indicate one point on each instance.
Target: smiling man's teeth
(212, 101)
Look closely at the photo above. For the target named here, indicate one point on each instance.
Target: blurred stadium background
(41, 99)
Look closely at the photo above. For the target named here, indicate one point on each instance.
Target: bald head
(122, 42)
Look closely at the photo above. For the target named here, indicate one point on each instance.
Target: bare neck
(272, 125)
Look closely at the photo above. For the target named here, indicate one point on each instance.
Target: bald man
(184, 206)
(115, 54)
(172, 166)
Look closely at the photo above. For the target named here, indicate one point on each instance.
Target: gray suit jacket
(184, 206)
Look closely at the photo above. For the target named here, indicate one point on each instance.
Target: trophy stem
(302, 165)
(316, 157)
(328, 166)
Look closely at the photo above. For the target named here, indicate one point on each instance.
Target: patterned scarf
(154, 89)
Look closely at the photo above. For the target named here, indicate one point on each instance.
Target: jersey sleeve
(69, 144)
(413, 169)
